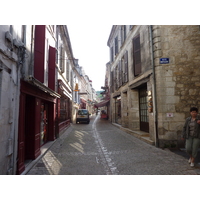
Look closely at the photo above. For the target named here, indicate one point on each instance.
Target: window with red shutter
(52, 67)
(39, 51)
(136, 55)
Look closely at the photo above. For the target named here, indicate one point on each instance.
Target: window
(120, 74)
(62, 59)
(68, 70)
(83, 112)
(116, 45)
(116, 78)
(123, 34)
(23, 34)
(126, 67)
(52, 68)
(123, 68)
(11, 29)
(39, 52)
(111, 55)
(130, 27)
(136, 55)
(64, 109)
(111, 82)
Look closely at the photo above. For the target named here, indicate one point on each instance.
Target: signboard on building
(164, 60)
(170, 114)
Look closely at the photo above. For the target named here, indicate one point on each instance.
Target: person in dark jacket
(191, 133)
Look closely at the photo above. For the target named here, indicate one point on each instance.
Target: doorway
(143, 106)
(44, 123)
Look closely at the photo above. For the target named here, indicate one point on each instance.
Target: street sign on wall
(164, 60)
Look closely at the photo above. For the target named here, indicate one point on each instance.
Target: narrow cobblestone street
(99, 148)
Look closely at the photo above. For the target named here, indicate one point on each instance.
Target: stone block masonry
(177, 82)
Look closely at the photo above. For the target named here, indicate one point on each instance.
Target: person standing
(191, 133)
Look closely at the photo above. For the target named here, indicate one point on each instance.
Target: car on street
(83, 116)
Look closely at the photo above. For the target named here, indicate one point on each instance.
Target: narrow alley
(99, 148)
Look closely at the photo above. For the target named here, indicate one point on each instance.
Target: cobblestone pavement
(99, 148)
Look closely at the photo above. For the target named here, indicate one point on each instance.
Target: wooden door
(144, 117)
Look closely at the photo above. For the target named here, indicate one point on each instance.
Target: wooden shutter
(39, 50)
(126, 67)
(62, 59)
(136, 55)
(111, 54)
(116, 45)
(111, 81)
(120, 73)
(122, 70)
(124, 32)
(116, 79)
(52, 67)
(67, 69)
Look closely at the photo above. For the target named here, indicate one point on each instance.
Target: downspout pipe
(154, 91)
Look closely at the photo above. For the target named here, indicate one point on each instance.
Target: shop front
(64, 105)
(104, 105)
(37, 121)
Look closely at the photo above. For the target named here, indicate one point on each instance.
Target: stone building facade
(65, 84)
(154, 79)
(38, 96)
(11, 59)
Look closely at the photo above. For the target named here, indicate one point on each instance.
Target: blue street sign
(164, 60)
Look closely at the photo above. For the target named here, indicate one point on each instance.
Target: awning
(83, 100)
(42, 87)
(101, 104)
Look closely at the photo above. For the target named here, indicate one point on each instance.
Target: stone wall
(178, 82)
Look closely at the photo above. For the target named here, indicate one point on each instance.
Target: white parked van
(83, 116)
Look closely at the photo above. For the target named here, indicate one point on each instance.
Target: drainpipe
(154, 91)
(15, 143)
(20, 64)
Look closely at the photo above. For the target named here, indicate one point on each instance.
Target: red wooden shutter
(52, 67)
(39, 51)
(137, 55)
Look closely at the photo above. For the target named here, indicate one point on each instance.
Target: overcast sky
(89, 46)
